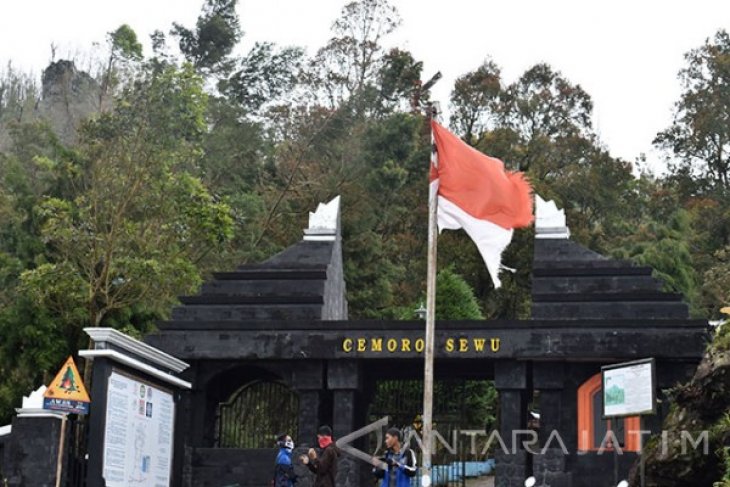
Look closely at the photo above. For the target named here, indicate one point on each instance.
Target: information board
(629, 389)
(138, 433)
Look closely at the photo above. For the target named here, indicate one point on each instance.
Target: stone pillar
(345, 380)
(33, 448)
(549, 464)
(4, 438)
(511, 380)
(308, 381)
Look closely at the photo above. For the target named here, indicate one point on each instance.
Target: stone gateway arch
(271, 349)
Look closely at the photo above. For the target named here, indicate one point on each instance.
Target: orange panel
(586, 391)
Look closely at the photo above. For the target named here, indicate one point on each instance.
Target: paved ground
(484, 481)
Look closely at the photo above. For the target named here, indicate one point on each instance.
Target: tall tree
(216, 33)
(700, 134)
(262, 76)
(348, 64)
(399, 80)
(698, 148)
(544, 103)
(139, 221)
(123, 49)
(474, 100)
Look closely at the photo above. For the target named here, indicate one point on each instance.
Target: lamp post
(420, 311)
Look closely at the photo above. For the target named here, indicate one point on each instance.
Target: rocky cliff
(68, 96)
(702, 407)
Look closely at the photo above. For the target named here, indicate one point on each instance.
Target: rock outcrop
(702, 407)
(68, 96)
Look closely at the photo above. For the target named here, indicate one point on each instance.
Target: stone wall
(219, 467)
(31, 452)
(3, 441)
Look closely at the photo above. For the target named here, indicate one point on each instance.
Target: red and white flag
(477, 194)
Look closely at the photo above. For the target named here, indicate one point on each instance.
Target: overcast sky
(625, 54)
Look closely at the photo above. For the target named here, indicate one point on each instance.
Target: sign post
(629, 389)
(66, 392)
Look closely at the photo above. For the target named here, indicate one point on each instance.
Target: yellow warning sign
(67, 384)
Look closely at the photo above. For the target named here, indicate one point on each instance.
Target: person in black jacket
(324, 464)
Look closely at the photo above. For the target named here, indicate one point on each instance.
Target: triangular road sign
(66, 391)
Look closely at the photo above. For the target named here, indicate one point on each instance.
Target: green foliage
(124, 52)
(716, 282)
(344, 70)
(139, 220)
(720, 435)
(700, 134)
(173, 180)
(34, 344)
(399, 77)
(721, 340)
(455, 300)
(474, 100)
(481, 402)
(263, 76)
(18, 94)
(216, 33)
(107, 233)
(544, 103)
(665, 247)
(124, 43)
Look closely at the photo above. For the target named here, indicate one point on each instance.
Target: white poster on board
(138, 434)
(628, 390)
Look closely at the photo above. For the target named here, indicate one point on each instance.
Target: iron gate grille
(458, 405)
(76, 448)
(255, 414)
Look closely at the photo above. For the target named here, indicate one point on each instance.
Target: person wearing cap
(324, 464)
(400, 462)
(284, 475)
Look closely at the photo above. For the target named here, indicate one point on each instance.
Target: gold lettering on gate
(418, 345)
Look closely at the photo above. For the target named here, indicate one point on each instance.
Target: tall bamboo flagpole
(430, 318)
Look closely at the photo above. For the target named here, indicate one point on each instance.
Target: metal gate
(459, 406)
(255, 414)
(76, 449)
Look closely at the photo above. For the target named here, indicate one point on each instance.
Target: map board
(138, 433)
(629, 389)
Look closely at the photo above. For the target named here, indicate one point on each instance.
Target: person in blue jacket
(400, 462)
(284, 470)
